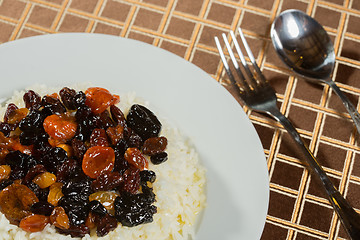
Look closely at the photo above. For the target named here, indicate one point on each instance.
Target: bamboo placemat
(297, 208)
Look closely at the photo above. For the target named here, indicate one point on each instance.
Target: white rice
(179, 187)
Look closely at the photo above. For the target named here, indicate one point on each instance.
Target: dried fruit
(5, 171)
(105, 224)
(131, 180)
(42, 208)
(99, 99)
(99, 138)
(106, 198)
(136, 158)
(34, 223)
(55, 193)
(154, 145)
(159, 158)
(17, 115)
(107, 181)
(115, 133)
(98, 160)
(59, 218)
(15, 202)
(60, 127)
(32, 100)
(45, 179)
(67, 97)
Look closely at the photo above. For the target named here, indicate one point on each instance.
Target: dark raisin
(6, 128)
(54, 158)
(87, 121)
(42, 208)
(143, 122)
(154, 145)
(67, 97)
(40, 193)
(107, 181)
(147, 176)
(131, 180)
(33, 122)
(79, 99)
(52, 106)
(17, 159)
(5, 183)
(97, 208)
(78, 147)
(41, 148)
(32, 100)
(159, 158)
(98, 137)
(9, 111)
(105, 120)
(30, 138)
(117, 115)
(105, 224)
(135, 140)
(78, 188)
(75, 231)
(69, 169)
(77, 211)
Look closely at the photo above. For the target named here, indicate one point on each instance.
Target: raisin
(45, 179)
(5, 183)
(10, 110)
(17, 115)
(131, 180)
(77, 211)
(69, 169)
(42, 208)
(32, 100)
(19, 163)
(34, 223)
(78, 188)
(60, 127)
(98, 160)
(97, 208)
(107, 181)
(15, 202)
(117, 115)
(105, 224)
(115, 133)
(79, 99)
(143, 122)
(6, 128)
(52, 106)
(147, 176)
(32, 122)
(99, 138)
(54, 158)
(106, 198)
(4, 172)
(67, 97)
(99, 99)
(75, 231)
(159, 158)
(79, 148)
(105, 120)
(59, 218)
(34, 171)
(55, 193)
(154, 145)
(136, 158)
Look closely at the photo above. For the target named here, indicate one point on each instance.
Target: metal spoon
(304, 46)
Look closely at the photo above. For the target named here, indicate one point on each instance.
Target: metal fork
(258, 95)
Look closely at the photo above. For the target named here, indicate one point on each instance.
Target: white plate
(237, 176)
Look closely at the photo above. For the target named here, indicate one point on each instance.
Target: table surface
(298, 209)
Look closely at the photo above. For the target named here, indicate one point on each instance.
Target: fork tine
(226, 66)
(236, 65)
(251, 56)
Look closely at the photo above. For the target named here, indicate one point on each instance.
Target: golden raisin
(34, 223)
(99, 99)
(15, 202)
(98, 160)
(59, 218)
(136, 158)
(60, 127)
(17, 115)
(16, 145)
(106, 198)
(45, 179)
(5, 171)
(55, 193)
(90, 221)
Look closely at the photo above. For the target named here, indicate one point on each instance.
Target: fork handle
(348, 216)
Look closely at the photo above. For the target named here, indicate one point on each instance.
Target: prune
(67, 97)
(32, 122)
(97, 208)
(42, 208)
(69, 169)
(98, 160)
(147, 176)
(34, 223)
(32, 100)
(59, 218)
(117, 115)
(15, 202)
(136, 158)
(143, 122)
(6, 128)
(99, 99)
(77, 211)
(107, 181)
(10, 110)
(60, 127)
(134, 209)
(54, 158)
(79, 99)
(75, 231)
(98, 137)
(5, 183)
(105, 224)
(154, 145)
(131, 180)
(79, 148)
(159, 158)
(52, 106)
(78, 188)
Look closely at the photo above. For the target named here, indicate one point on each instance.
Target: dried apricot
(60, 127)
(99, 99)
(136, 158)
(98, 160)
(45, 179)
(34, 223)
(55, 193)
(5, 171)
(15, 202)
(59, 218)
(106, 198)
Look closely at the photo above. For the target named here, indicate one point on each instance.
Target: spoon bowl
(305, 47)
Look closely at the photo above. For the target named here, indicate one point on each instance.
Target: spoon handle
(349, 106)
(348, 216)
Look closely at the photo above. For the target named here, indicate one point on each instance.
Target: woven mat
(297, 208)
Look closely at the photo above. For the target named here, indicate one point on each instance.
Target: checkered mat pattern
(298, 209)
